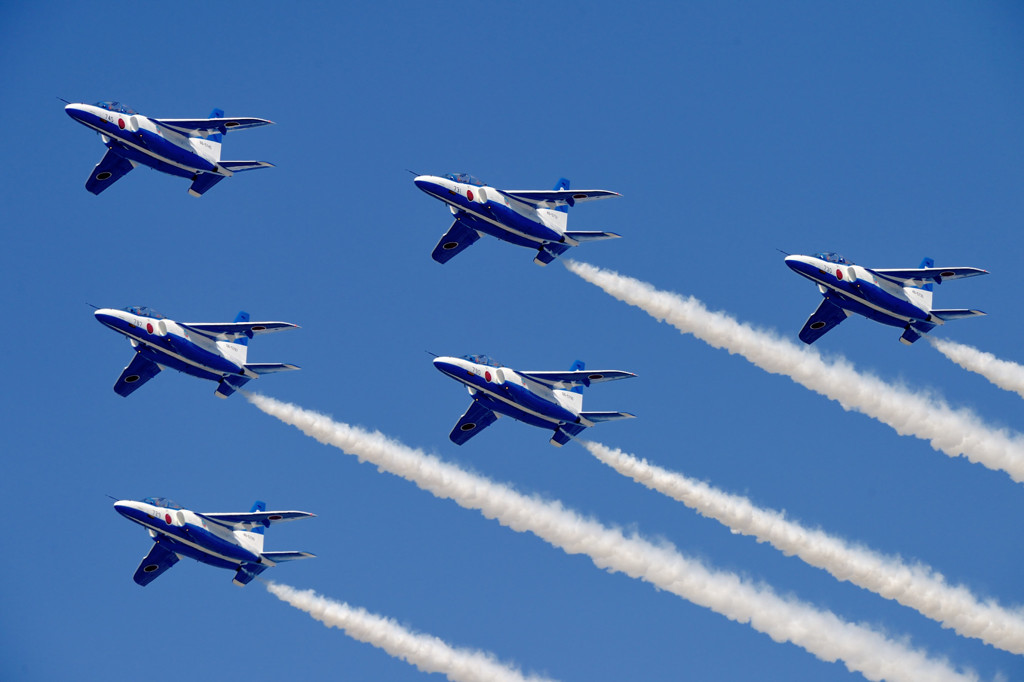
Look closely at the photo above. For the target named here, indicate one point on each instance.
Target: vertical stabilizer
(563, 183)
(577, 366)
(927, 288)
(217, 138)
(253, 539)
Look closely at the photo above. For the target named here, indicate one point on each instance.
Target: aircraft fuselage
(142, 140)
(504, 391)
(187, 534)
(490, 211)
(169, 345)
(860, 291)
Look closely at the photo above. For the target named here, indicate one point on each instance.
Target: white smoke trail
(917, 586)
(426, 652)
(1008, 376)
(821, 633)
(954, 432)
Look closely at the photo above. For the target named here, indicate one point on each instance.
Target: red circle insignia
(167, 518)
(469, 193)
(839, 273)
(149, 328)
(120, 123)
(487, 375)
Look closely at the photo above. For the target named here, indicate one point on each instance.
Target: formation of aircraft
(186, 147)
(550, 400)
(209, 350)
(233, 540)
(900, 298)
(535, 219)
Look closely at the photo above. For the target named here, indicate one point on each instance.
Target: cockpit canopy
(482, 360)
(830, 257)
(465, 178)
(144, 311)
(162, 502)
(116, 107)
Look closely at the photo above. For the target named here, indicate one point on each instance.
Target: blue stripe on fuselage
(518, 402)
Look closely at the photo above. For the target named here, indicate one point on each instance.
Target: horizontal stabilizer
(111, 168)
(588, 236)
(229, 384)
(154, 564)
(239, 166)
(567, 380)
(956, 314)
(246, 520)
(476, 419)
(564, 432)
(270, 367)
(281, 557)
(230, 331)
(554, 198)
(246, 573)
(456, 240)
(203, 182)
(140, 370)
(550, 252)
(919, 277)
(598, 417)
(189, 126)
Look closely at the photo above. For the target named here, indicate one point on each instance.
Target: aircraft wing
(243, 520)
(281, 557)
(239, 166)
(827, 316)
(476, 419)
(456, 240)
(270, 367)
(154, 564)
(553, 198)
(570, 379)
(230, 331)
(140, 370)
(916, 277)
(111, 168)
(186, 126)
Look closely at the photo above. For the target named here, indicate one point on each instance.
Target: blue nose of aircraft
(77, 112)
(799, 265)
(427, 184)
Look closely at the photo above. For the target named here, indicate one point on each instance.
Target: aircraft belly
(870, 311)
(156, 152)
(167, 359)
(198, 554)
(145, 159)
(207, 547)
(525, 406)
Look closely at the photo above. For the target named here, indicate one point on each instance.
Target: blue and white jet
(550, 400)
(186, 147)
(897, 297)
(209, 350)
(233, 541)
(535, 219)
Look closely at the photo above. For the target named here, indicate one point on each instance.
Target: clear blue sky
(884, 131)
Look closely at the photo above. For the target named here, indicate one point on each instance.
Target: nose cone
(109, 317)
(801, 264)
(431, 184)
(130, 509)
(450, 366)
(79, 112)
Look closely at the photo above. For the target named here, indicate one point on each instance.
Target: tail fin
(577, 366)
(217, 137)
(927, 263)
(252, 539)
(563, 183)
(242, 316)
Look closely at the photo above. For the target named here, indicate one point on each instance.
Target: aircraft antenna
(783, 252)
(64, 100)
(432, 354)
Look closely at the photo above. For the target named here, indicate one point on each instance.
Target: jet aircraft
(900, 298)
(532, 218)
(208, 350)
(233, 541)
(186, 147)
(550, 400)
